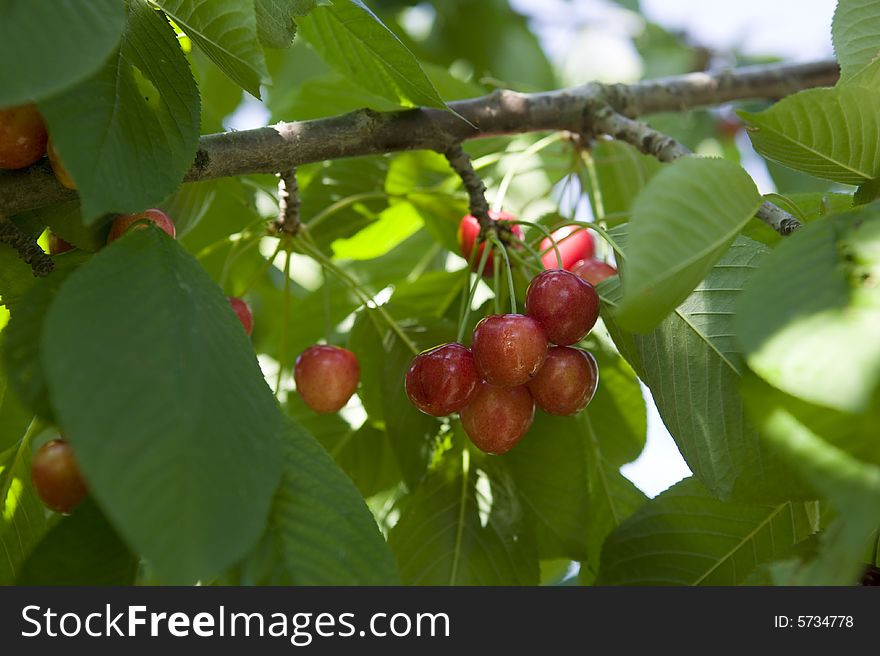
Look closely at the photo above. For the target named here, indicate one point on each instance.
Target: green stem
(535, 148)
(509, 270)
(602, 232)
(473, 291)
(548, 234)
(284, 324)
(313, 251)
(341, 204)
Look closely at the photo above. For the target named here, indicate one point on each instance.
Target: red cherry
(57, 245)
(469, 232)
(566, 306)
(498, 417)
(593, 271)
(573, 243)
(567, 381)
(509, 349)
(125, 221)
(443, 380)
(56, 476)
(58, 167)
(243, 310)
(326, 377)
(22, 136)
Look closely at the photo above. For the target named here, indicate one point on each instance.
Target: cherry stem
(473, 291)
(523, 261)
(547, 233)
(284, 324)
(264, 267)
(510, 286)
(310, 248)
(496, 280)
(534, 149)
(602, 232)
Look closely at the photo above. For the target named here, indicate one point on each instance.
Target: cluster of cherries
(518, 361)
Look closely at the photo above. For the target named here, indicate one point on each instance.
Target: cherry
(566, 306)
(498, 417)
(22, 136)
(58, 169)
(243, 310)
(326, 377)
(573, 243)
(442, 380)
(567, 381)
(125, 221)
(509, 349)
(56, 476)
(593, 271)
(57, 245)
(468, 234)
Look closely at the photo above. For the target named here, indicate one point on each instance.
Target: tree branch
(27, 247)
(666, 149)
(288, 203)
(366, 132)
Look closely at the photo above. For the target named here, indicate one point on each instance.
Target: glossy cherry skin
(58, 167)
(57, 245)
(469, 232)
(125, 221)
(593, 271)
(243, 311)
(573, 243)
(566, 306)
(498, 417)
(443, 380)
(567, 381)
(22, 136)
(509, 349)
(326, 377)
(56, 476)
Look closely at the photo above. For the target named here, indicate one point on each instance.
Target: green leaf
(129, 133)
(189, 205)
(14, 419)
(21, 346)
(384, 360)
(683, 221)
(276, 26)
(353, 40)
(320, 530)
(686, 537)
(851, 487)
(226, 31)
(463, 527)
(47, 46)
(820, 311)
(16, 277)
(823, 132)
(150, 373)
(66, 221)
(364, 454)
(692, 364)
(23, 518)
(396, 224)
(81, 549)
(565, 469)
(855, 32)
(621, 174)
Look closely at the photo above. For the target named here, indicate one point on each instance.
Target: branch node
(28, 249)
(288, 220)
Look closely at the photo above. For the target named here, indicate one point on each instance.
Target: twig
(667, 149)
(28, 248)
(461, 164)
(367, 132)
